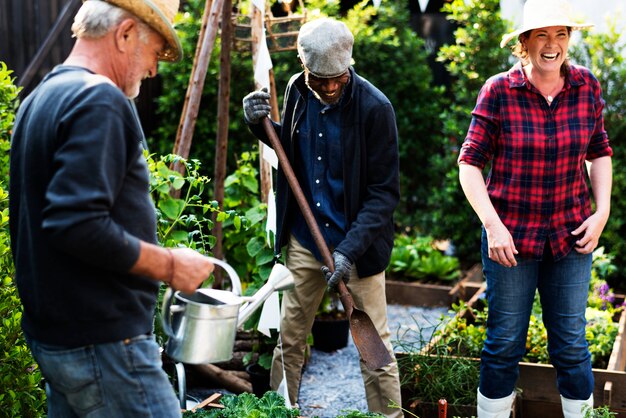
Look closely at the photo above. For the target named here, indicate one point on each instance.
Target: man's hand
(188, 269)
(256, 106)
(343, 268)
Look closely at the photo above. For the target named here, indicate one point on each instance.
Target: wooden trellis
(281, 32)
(245, 31)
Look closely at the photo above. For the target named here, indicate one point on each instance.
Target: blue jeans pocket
(72, 372)
(143, 353)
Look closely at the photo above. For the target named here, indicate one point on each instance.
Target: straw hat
(543, 14)
(325, 47)
(159, 15)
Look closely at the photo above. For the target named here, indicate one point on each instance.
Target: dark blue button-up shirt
(319, 169)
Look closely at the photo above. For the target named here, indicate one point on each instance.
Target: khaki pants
(298, 311)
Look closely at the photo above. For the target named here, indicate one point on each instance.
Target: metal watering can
(201, 326)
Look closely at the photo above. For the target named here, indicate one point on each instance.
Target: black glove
(256, 106)
(343, 267)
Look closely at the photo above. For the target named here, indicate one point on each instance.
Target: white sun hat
(543, 14)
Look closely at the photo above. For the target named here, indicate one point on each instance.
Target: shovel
(369, 344)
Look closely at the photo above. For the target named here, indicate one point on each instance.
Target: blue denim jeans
(563, 288)
(119, 379)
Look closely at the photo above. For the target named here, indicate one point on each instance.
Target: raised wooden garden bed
(539, 396)
(433, 295)
(538, 383)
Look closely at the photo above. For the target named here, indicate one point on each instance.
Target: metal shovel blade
(371, 348)
(364, 334)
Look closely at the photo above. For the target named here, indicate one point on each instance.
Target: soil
(331, 382)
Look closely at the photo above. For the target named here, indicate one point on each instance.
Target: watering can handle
(169, 295)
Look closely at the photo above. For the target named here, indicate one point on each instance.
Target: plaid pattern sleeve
(537, 180)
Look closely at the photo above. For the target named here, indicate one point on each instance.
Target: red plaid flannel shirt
(537, 180)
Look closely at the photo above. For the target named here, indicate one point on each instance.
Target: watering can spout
(280, 279)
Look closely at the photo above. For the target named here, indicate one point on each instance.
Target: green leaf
(172, 208)
(180, 236)
(178, 183)
(255, 246)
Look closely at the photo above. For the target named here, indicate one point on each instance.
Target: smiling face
(547, 48)
(143, 59)
(327, 90)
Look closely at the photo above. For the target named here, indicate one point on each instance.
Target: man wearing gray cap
(340, 134)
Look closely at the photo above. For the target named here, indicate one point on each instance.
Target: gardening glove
(343, 267)
(256, 106)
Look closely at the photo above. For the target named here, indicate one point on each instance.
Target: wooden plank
(538, 383)
(221, 142)
(617, 360)
(191, 106)
(417, 294)
(535, 409)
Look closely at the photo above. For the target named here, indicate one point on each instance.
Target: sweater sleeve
(381, 183)
(95, 149)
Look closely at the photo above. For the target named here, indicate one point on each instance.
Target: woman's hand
(501, 246)
(589, 233)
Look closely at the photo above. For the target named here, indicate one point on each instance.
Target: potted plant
(331, 326)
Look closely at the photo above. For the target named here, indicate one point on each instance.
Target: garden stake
(366, 339)
(442, 407)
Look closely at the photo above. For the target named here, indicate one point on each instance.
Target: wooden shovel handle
(299, 195)
(344, 294)
(364, 334)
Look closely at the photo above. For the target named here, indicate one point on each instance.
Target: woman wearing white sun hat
(537, 125)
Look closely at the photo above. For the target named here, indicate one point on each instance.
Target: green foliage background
(386, 52)
(22, 394)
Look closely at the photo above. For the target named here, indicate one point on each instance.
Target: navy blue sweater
(79, 204)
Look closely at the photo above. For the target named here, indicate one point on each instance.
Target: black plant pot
(260, 379)
(330, 334)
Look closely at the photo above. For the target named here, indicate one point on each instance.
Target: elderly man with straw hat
(538, 125)
(340, 135)
(83, 227)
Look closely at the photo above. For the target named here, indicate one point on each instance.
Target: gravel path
(332, 381)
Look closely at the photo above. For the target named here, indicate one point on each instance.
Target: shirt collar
(517, 77)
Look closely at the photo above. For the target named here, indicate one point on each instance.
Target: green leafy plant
(464, 337)
(383, 35)
(599, 412)
(22, 393)
(248, 249)
(247, 405)
(417, 258)
(185, 220)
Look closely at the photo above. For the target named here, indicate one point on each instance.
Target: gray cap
(325, 47)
